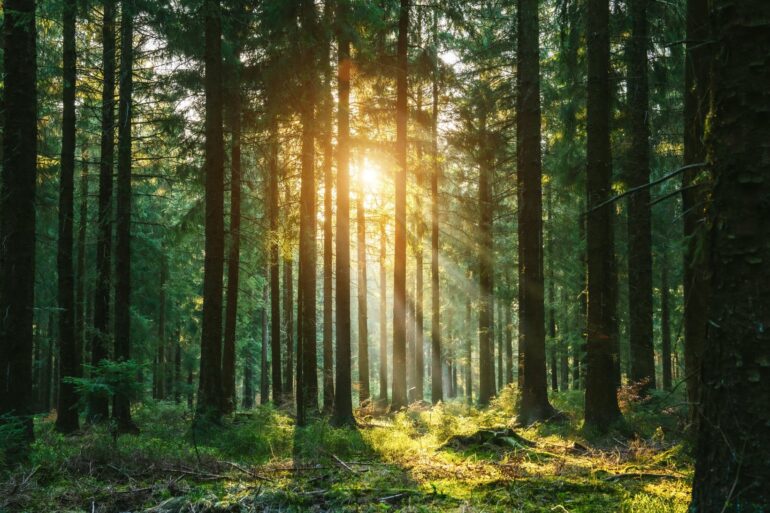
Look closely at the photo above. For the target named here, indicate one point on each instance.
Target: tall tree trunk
(177, 371)
(383, 373)
(601, 403)
(264, 377)
(639, 216)
(307, 393)
(551, 291)
(731, 470)
(399, 394)
(468, 353)
(500, 349)
(288, 314)
(694, 198)
(121, 406)
(234, 256)
(328, 255)
(210, 379)
(363, 328)
(508, 344)
(437, 393)
(160, 357)
(343, 395)
(67, 413)
(98, 407)
(274, 272)
(665, 323)
(247, 402)
(486, 271)
(80, 290)
(534, 405)
(419, 321)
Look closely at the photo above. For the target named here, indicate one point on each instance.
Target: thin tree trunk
(601, 404)
(274, 272)
(435, 320)
(160, 358)
(234, 256)
(210, 379)
(343, 400)
(177, 371)
(399, 394)
(665, 323)
(288, 314)
(67, 413)
(98, 408)
(486, 271)
(500, 349)
(508, 345)
(363, 328)
(383, 372)
(468, 353)
(264, 379)
(80, 292)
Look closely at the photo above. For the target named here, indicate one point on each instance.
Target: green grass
(261, 462)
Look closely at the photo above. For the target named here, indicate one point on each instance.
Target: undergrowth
(259, 461)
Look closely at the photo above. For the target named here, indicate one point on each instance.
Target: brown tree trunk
(399, 394)
(160, 356)
(67, 413)
(533, 405)
(234, 256)
(468, 353)
(665, 323)
(601, 404)
(80, 290)
(343, 400)
(98, 407)
(639, 222)
(437, 388)
(274, 274)
(383, 372)
(485, 259)
(288, 315)
(264, 377)
(121, 406)
(694, 198)
(210, 379)
(732, 451)
(363, 329)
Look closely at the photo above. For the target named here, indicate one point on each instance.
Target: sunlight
(369, 175)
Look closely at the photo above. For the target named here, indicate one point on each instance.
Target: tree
(17, 210)
(601, 403)
(383, 368)
(98, 407)
(343, 403)
(274, 271)
(485, 258)
(121, 409)
(307, 382)
(363, 329)
(694, 194)
(665, 323)
(533, 403)
(67, 412)
(639, 222)
(234, 255)
(399, 399)
(732, 452)
(437, 389)
(210, 379)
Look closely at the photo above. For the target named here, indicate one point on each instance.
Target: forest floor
(260, 462)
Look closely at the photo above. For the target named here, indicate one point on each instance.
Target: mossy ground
(261, 462)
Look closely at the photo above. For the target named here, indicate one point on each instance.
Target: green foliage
(107, 379)
(12, 436)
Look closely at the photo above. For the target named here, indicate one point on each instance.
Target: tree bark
(694, 200)
(383, 371)
(274, 273)
(639, 215)
(264, 377)
(343, 396)
(67, 412)
(731, 470)
(363, 328)
(234, 256)
(210, 379)
(160, 355)
(533, 405)
(601, 404)
(80, 290)
(121, 407)
(98, 407)
(485, 263)
(288, 315)
(665, 323)
(399, 393)
(437, 389)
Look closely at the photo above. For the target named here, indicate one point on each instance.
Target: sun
(370, 175)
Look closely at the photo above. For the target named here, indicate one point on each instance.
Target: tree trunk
(177, 371)
(343, 396)
(731, 470)
(508, 345)
(694, 198)
(437, 393)
(399, 394)
(485, 259)
(383, 397)
(264, 379)
(80, 291)
(363, 329)
(500, 349)
(274, 272)
(210, 379)
(308, 392)
(160, 357)
(601, 404)
(288, 315)
(534, 405)
(98, 407)
(121, 406)
(328, 256)
(234, 256)
(665, 323)
(247, 402)
(639, 223)
(67, 412)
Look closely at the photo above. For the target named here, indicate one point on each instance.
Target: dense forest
(349, 255)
